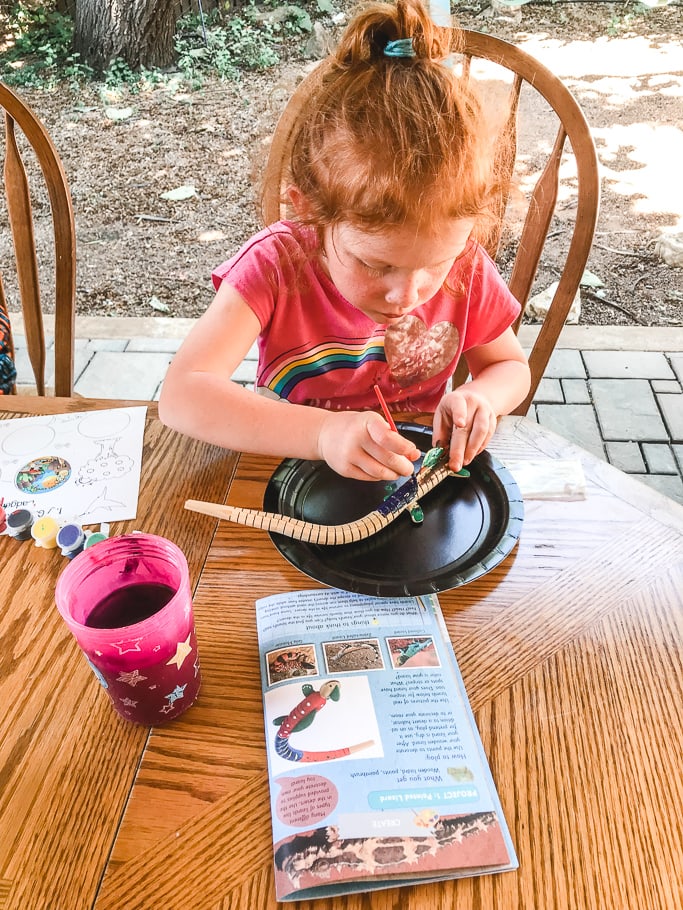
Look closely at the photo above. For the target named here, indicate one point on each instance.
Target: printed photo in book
(377, 773)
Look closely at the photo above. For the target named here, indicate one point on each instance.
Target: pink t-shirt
(315, 348)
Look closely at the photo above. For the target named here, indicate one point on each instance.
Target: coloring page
(82, 467)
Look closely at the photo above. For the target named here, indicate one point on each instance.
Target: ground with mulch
(142, 254)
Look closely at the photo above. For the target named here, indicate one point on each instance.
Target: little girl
(378, 280)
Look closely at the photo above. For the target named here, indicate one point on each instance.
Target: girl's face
(386, 275)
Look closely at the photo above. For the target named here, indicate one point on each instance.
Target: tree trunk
(138, 31)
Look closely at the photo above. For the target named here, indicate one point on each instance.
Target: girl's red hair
(386, 141)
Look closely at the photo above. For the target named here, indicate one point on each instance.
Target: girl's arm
(199, 398)
(466, 418)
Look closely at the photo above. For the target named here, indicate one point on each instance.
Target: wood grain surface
(571, 653)
(67, 760)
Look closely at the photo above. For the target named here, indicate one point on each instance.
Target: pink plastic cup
(128, 603)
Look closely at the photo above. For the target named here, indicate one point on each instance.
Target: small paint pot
(71, 540)
(19, 523)
(44, 532)
(92, 539)
(3, 519)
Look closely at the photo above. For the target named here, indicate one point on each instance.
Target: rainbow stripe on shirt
(282, 377)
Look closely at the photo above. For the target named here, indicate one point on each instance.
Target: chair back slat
(273, 202)
(21, 223)
(536, 224)
(19, 117)
(505, 155)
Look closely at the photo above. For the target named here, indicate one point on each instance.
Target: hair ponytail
(377, 24)
(390, 140)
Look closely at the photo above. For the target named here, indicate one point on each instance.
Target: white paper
(82, 467)
(549, 478)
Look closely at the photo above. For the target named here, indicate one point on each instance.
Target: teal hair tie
(403, 47)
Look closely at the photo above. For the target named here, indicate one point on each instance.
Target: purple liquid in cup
(128, 606)
(128, 603)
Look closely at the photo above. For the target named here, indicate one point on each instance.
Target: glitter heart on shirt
(416, 353)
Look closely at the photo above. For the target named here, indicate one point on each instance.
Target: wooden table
(571, 652)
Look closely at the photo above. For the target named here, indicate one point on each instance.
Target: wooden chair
(19, 117)
(570, 125)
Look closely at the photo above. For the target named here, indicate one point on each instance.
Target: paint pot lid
(44, 528)
(20, 519)
(70, 537)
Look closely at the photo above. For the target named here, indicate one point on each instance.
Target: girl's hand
(467, 419)
(363, 446)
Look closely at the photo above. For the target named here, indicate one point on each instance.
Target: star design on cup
(126, 645)
(182, 650)
(177, 693)
(132, 677)
(129, 703)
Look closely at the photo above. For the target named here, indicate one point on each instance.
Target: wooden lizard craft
(434, 470)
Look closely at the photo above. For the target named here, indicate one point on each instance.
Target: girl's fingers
(390, 449)
(363, 446)
(478, 434)
(459, 439)
(390, 440)
(382, 466)
(366, 467)
(483, 428)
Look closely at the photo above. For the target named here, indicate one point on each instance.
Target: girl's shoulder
(281, 236)
(473, 256)
(280, 245)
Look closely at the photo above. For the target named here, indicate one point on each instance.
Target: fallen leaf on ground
(179, 193)
(210, 236)
(118, 113)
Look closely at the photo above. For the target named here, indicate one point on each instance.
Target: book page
(377, 771)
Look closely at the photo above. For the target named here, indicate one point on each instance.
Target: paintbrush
(387, 413)
(385, 408)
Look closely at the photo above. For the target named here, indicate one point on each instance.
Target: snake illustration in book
(434, 471)
(302, 716)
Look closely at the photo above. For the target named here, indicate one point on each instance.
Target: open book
(377, 773)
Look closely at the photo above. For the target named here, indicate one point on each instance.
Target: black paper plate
(470, 525)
